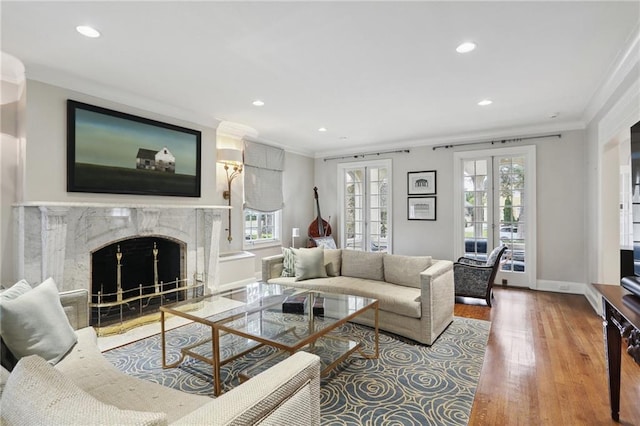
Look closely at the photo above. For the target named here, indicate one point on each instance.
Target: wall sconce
(230, 158)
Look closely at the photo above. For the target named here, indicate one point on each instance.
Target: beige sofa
(415, 293)
(84, 388)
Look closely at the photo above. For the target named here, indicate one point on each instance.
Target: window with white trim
(365, 205)
(262, 227)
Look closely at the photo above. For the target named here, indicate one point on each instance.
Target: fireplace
(77, 245)
(141, 273)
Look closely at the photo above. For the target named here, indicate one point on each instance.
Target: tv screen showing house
(114, 152)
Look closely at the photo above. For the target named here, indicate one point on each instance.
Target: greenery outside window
(365, 201)
(262, 228)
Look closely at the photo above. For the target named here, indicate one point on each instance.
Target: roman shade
(263, 166)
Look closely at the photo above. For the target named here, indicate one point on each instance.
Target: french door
(364, 191)
(494, 205)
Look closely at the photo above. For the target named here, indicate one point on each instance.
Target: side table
(617, 315)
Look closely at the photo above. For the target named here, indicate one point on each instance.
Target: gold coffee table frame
(257, 303)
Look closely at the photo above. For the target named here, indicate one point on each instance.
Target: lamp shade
(295, 232)
(230, 156)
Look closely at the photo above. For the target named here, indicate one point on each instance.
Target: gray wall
(46, 150)
(43, 113)
(560, 198)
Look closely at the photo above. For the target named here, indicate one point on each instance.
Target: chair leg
(489, 297)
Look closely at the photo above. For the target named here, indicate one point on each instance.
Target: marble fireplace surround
(57, 239)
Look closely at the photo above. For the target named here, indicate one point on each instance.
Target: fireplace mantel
(56, 239)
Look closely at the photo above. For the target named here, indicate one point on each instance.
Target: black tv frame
(92, 129)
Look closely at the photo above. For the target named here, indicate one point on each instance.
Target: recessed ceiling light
(88, 31)
(466, 47)
(258, 102)
(322, 129)
(485, 102)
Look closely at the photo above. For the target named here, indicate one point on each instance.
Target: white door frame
(529, 152)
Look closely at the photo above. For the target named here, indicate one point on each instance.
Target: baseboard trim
(594, 298)
(561, 286)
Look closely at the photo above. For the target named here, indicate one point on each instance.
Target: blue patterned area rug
(410, 384)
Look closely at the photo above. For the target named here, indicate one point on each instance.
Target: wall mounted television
(113, 152)
(630, 256)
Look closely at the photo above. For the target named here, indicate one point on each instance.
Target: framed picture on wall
(421, 183)
(114, 152)
(421, 208)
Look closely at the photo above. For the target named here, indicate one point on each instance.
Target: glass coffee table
(285, 318)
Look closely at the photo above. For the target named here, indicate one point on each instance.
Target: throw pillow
(309, 263)
(288, 263)
(8, 359)
(34, 323)
(362, 264)
(333, 261)
(493, 256)
(19, 288)
(405, 270)
(38, 394)
(325, 242)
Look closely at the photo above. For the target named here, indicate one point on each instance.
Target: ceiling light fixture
(485, 102)
(466, 47)
(258, 102)
(322, 129)
(88, 31)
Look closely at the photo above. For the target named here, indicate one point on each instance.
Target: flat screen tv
(114, 152)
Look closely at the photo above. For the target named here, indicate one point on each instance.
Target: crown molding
(236, 130)
(12, 69)
(626, 61)
(505, 133)
(78, 84)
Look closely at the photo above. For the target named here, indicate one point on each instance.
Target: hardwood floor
(545, 363)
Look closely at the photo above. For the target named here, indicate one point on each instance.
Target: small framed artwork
(421, 183)
(421, 208)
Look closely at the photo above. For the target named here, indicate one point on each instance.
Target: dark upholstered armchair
(474, 278)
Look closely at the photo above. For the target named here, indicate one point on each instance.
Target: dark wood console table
(616, 314)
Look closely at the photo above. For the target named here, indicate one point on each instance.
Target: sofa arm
(76, 306)
(272, 267)
(287, 393)
(437, 297)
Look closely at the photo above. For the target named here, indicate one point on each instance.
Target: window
(261, 227)
(365, 205)
(495, 205)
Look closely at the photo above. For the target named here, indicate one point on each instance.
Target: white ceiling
(375, 74)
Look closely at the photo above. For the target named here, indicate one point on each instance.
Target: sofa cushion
(288, 262)
(37, 394)
(34, 323)
(362, 264)
(4, 376)
(92, 372)
(309, 263)
(333, 261)
(400, 300)
(405, 270)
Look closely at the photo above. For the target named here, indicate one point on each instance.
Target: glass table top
(284, 316)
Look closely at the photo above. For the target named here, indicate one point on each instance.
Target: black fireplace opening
(134, 277)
